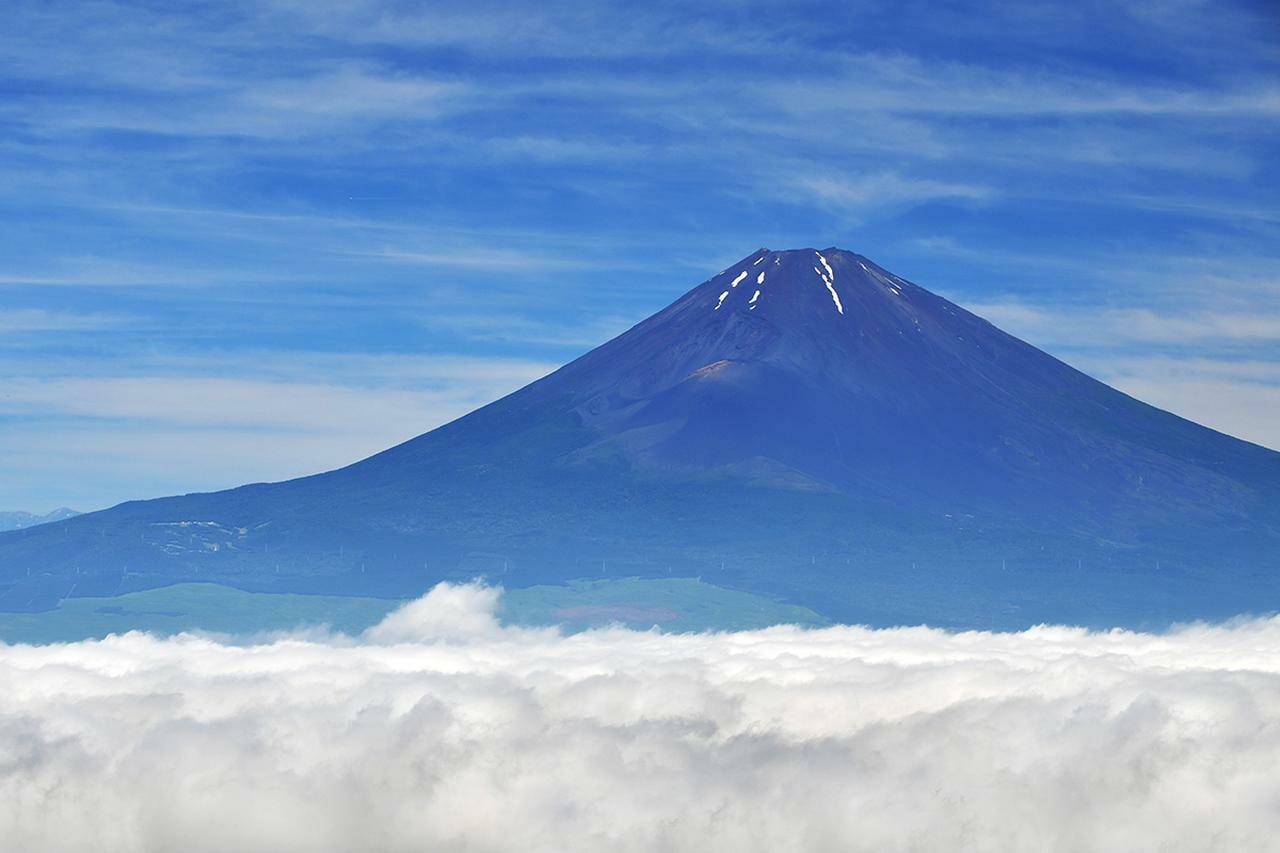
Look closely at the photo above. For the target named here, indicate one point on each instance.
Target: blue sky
(244, 241)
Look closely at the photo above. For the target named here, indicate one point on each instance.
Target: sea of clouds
(440, 729)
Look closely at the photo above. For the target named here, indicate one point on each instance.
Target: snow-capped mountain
(804, 424)
(19, 520)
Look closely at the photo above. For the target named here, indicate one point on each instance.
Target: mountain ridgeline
(806, 425)
(20, 520)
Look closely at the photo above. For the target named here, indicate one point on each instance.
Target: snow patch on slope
(829, 282)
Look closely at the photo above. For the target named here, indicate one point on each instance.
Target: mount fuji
(804, 425)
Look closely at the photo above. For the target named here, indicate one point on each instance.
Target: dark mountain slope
(804, 424)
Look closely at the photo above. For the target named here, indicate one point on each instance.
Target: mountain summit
(804, 424)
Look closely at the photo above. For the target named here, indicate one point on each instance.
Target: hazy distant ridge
(20, 520)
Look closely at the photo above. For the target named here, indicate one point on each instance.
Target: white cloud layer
(441, 730)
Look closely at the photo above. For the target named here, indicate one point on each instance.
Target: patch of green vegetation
(190, 607)
(674, 604)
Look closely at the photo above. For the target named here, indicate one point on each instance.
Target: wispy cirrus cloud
(480, 258)
(90, 272)
(900, 83)
(883, 189)
(202, 420)
(287, 108)
(1059, 326)
(1232, 386)
(1237, 396)
(293, 406)
(522, 329)
(35, 320)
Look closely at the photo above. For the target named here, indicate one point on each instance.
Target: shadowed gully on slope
(804, 425)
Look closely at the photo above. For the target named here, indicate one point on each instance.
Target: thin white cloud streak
(882, 189)
(245, 402)
(354, 92)
(442, 730)
(1081, 327)
(102, 463)
(1256, 371)
(280, 108)
(589, 332)
(1238, 397)
(530, 249)
(29, 320)
(1242, 409)
(109, 272)
(555, 29)
(76, 439)
(496, 260)
(349, 369)
(899, 83)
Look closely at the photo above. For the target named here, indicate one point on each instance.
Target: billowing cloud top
(442, 730)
